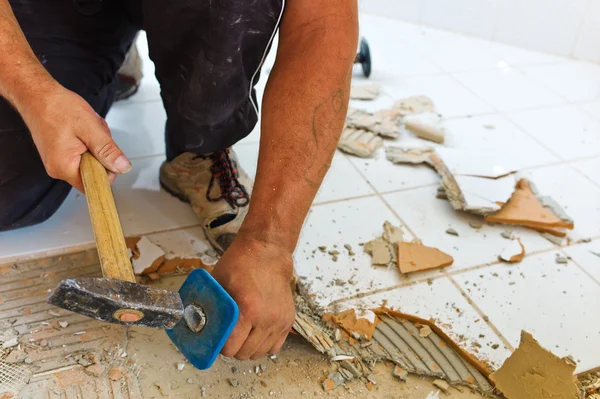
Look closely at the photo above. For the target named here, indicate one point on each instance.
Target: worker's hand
(64, 126)
(257, 275)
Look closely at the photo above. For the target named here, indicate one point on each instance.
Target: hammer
(198, 319)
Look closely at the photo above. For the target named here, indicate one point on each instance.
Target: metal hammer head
(120, 302)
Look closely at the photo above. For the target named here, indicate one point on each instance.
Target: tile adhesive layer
(53, 353)
(58, 353)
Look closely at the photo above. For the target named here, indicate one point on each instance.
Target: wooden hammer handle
(110, 241)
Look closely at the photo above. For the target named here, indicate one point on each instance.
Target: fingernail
(122, 164)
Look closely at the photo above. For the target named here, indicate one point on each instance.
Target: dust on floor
(56, 346)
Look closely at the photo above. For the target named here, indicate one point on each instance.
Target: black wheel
(365, 57)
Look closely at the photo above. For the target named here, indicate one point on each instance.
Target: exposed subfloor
(55, 346)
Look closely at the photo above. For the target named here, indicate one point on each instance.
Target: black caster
(364, 57)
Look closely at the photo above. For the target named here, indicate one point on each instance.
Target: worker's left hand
(257, 275)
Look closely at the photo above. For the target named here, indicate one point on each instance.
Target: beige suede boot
(216, 187)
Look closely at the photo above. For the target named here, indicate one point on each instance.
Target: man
(58, 69)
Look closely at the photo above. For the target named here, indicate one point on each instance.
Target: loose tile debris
(359, 142)
(527, 208)
(514, 252)
(383, 250)
(396, 338)
(474, 183)
(427, 126)
(534, 372)
(365, 92)
(414, 257)
(173, 258)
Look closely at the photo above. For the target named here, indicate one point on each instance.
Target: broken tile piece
(413, 257)
(477, 183)
(392, 234)
(514, 252)
(150, 256)
(333, 381)
(361, 324)
(359, 142)
(115, 373)
(534, 372)
(365, 92)
(441, 384)
(425, 331)
(400, 373)
(414, 105)
(427, 126)
(379, 251)
(525, 209)
(452, 232)
(562, 260)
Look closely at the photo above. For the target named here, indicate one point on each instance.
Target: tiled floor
(539, 110)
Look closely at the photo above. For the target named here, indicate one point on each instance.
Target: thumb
(103, 147)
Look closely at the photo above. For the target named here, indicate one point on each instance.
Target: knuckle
(107, 150)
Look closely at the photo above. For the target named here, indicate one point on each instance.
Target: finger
(253, 342)
(104, 148)
(278, 344)
(267, 344)
(237, 338)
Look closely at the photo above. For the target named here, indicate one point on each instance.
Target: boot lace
(224, 170)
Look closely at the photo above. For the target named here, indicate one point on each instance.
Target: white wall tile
(587, 44)
(407, 10)
(550, 26)
(475, 17)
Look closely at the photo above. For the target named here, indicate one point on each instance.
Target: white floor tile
(587, 255)
(575, 81)
(334, 225)
(143, 208)
(342, 181)
(450, 98)
(386, 176)
(457, 53)
(441, 301)
(138, 128)
(593, 109)
(567, 131)
(544, 298)
(508, 89)
(590, 168)
(494, 133)
(579, 197)
(515, 56)
(429, 218)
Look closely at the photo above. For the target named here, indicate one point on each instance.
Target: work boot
(216, 187)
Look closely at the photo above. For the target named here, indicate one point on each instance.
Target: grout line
(386, 289)
(343, 199)
(583, 174)
(581, 268)
(484, 317)
(378, 194)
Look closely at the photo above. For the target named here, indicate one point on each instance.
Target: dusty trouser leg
(82, 46)
(207, 63)
(130, 74)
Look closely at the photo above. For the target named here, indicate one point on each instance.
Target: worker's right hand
(64, 126)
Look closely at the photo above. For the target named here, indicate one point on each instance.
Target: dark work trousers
(207, 55)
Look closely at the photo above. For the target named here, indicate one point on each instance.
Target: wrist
(264, 234)
(32, 98)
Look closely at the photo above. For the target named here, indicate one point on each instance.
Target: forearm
(22, 76)
(304, 109)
